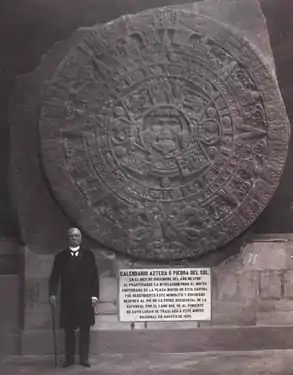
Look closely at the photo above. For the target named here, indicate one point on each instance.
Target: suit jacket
(78, 277)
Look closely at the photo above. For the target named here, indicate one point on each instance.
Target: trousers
(84, 343)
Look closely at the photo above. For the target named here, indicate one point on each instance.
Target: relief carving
(167, 134)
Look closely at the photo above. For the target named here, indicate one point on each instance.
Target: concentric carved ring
(163, 134)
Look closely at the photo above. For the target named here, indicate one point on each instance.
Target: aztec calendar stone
(163, 134)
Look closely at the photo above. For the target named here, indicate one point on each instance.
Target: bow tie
(74, 253)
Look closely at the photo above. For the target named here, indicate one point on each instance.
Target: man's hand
(94, 300)
(53, 300)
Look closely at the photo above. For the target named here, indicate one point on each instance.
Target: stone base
(252, 304)
(273, 362)
(10, 343)
(169, 341)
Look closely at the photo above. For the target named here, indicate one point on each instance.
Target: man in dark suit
(75, 268)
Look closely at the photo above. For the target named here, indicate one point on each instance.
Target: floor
(228, 363)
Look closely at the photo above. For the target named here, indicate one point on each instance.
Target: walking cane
(54, 332)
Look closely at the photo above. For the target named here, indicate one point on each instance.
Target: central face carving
(175, 137)
(163, 135)
(164, 131)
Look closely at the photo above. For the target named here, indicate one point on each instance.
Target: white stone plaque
(164, 294)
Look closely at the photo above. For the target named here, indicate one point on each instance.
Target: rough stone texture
(37, 229)
(248, 282)
(106, 308)
(227, 285)
(240, 12)
(237, 316)
(148, 150)
(26, 34)
(275, 313)
(260, 257)
(44, 233)
(270, 284)
(288, 284)
(278, 217)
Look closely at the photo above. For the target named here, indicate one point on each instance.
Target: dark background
(28, 28)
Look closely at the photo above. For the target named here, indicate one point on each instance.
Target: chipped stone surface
(288, 284)
(266, 256)
(139, 153)
(271, 284)
(248, 282)
(37, 231)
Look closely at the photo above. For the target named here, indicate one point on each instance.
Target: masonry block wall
(254, 289)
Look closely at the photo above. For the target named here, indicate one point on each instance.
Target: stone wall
(10, 295)
(255, 288)
(252, 298)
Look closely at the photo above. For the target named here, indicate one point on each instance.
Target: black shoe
(85, 363)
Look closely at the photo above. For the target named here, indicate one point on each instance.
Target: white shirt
(74, 250)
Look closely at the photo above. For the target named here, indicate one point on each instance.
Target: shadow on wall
(28, 29)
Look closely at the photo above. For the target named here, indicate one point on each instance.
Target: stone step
(229, 363)
(143, 342)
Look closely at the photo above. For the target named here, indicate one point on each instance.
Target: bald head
(74, 237)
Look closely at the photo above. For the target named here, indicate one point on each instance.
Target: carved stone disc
(163, 134)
